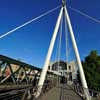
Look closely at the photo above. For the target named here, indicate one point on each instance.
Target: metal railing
(95, 95)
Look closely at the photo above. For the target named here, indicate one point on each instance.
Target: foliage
(91, 66)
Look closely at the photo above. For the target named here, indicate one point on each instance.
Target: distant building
(69, 70)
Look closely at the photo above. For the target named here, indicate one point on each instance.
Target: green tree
(91, 66)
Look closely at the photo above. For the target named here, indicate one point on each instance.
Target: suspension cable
(66, 42)
(56, 54)
(60, 41)
(26, 23)
(84, 14)
(59, 48)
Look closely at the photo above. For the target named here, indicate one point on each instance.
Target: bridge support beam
(47, 61)
(83, 80)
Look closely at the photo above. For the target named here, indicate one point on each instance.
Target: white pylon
(47, 61)
(82, 75)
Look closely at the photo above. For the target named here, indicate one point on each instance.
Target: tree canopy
(91, 66)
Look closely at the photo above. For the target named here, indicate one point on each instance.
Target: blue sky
(30, 43)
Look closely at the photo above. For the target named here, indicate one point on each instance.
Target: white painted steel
(34, 19)
(83, 80)
(48, 57)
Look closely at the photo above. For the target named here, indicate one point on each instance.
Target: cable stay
(34, 19)
(59, 48)
(60, 42)
(84, 14)
(66, 40)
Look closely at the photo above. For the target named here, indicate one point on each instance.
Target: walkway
(62, 93)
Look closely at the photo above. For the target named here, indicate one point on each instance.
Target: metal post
(47, 61)
(83, 80)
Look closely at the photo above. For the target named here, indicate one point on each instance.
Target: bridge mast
(82, 75)
(48, 57)
(47, 61)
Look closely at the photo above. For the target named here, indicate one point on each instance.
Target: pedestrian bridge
(27, 82)
(62, 92)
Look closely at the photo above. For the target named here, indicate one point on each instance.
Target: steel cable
(26, 23)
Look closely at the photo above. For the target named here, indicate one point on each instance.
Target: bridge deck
(62, 93)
